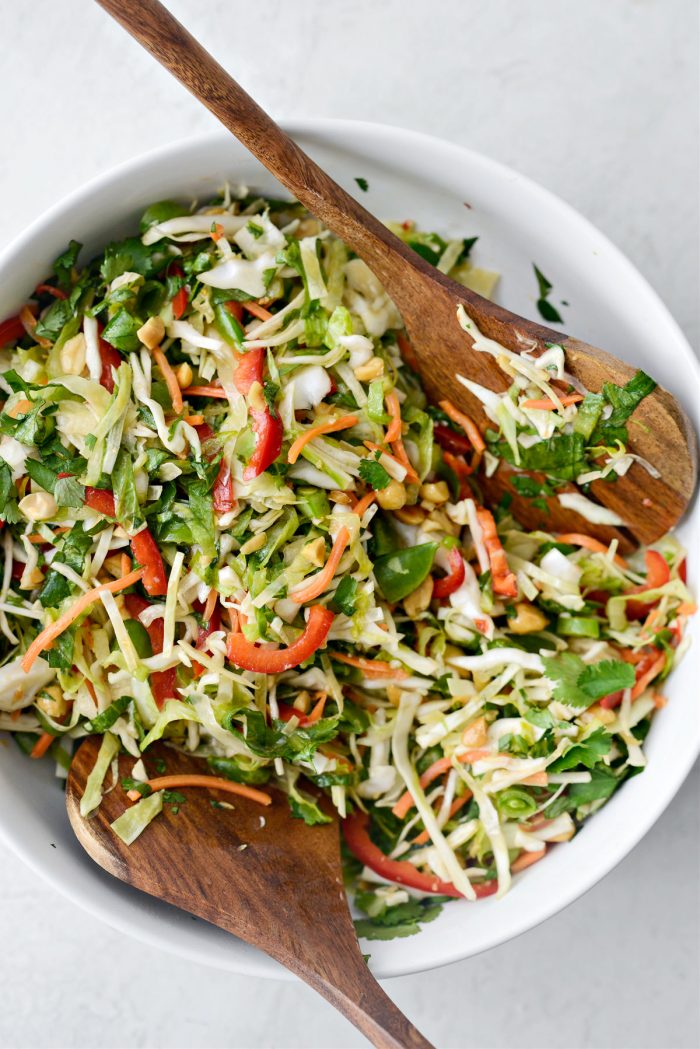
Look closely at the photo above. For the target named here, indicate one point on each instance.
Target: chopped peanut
(417, 601)
(373, 369)
(151, 333)
(527, 620)
(73, 355)
(435, 492)
(184, 375)
(393, 497)
(303, 702)
(256, 397)
(474, 735)
(20, 407)
(51, 701)
(410, 515)
(393, 694)
(315, 552)
(344, 498)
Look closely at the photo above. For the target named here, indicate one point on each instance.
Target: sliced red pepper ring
(243, 653)
(400, 871)
(146, 552)
(453, 580)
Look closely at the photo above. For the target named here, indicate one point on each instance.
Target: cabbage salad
(230, 521)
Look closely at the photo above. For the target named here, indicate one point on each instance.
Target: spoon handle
(149, 22)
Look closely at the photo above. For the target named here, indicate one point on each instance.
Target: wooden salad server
(271, 881)
(428, 302)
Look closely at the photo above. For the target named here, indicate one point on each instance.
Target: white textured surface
(599, 103)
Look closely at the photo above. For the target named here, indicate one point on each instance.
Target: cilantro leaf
(65, 262)
(69, 492)
(362, 183)
(564, 670)
(374, 474)
(121, 331)
(587, 753)
(304, 808)
(610, 675)
(603, 783)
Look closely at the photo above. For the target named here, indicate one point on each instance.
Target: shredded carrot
(362, 504)
(170, 378)
(80, 605)
(456, 805)
(211, 782)
(686, 608)
(29, 324)
(406, 803)
(321, 580)
(400, 454)
(537, 779)
(205, 391)
(399, 457)
(125, 564)
(407, 351)
(218, 231)
(20, 407)
(317, 431)
(394, 431)
(42, 745)
(258, 311)
(544, 404)
(589, 543)
(93, 694)
(212, 598)
(467, 423)
(317, 713)
(49, 289)
(194, 420)
(370, 667)
(503, 580)
(646, 678)
(526, 859)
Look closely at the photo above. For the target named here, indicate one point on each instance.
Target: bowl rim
(328, 129)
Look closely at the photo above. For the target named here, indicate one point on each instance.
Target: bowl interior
(459, 194)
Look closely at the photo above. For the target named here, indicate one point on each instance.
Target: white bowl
(611, 305)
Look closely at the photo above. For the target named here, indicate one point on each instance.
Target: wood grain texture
(428, 300)
(273, 882)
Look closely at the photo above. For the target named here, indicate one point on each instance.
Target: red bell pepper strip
(205, 630)
(503, 580)
(163, 682)
(222, 494)
(650, 665)
(268, 432)
(48, 289)
(111, 358)
(242, 653)
(249, 369)
(401, 871)
(287, 713)
(235, 309)
(146, 552)
(453, 580)
(658, 573)
(10, 330)
(181, 297)
(449, 439)
(101, 500)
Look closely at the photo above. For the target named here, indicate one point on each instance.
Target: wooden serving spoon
(428, 302)
(273, 882)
